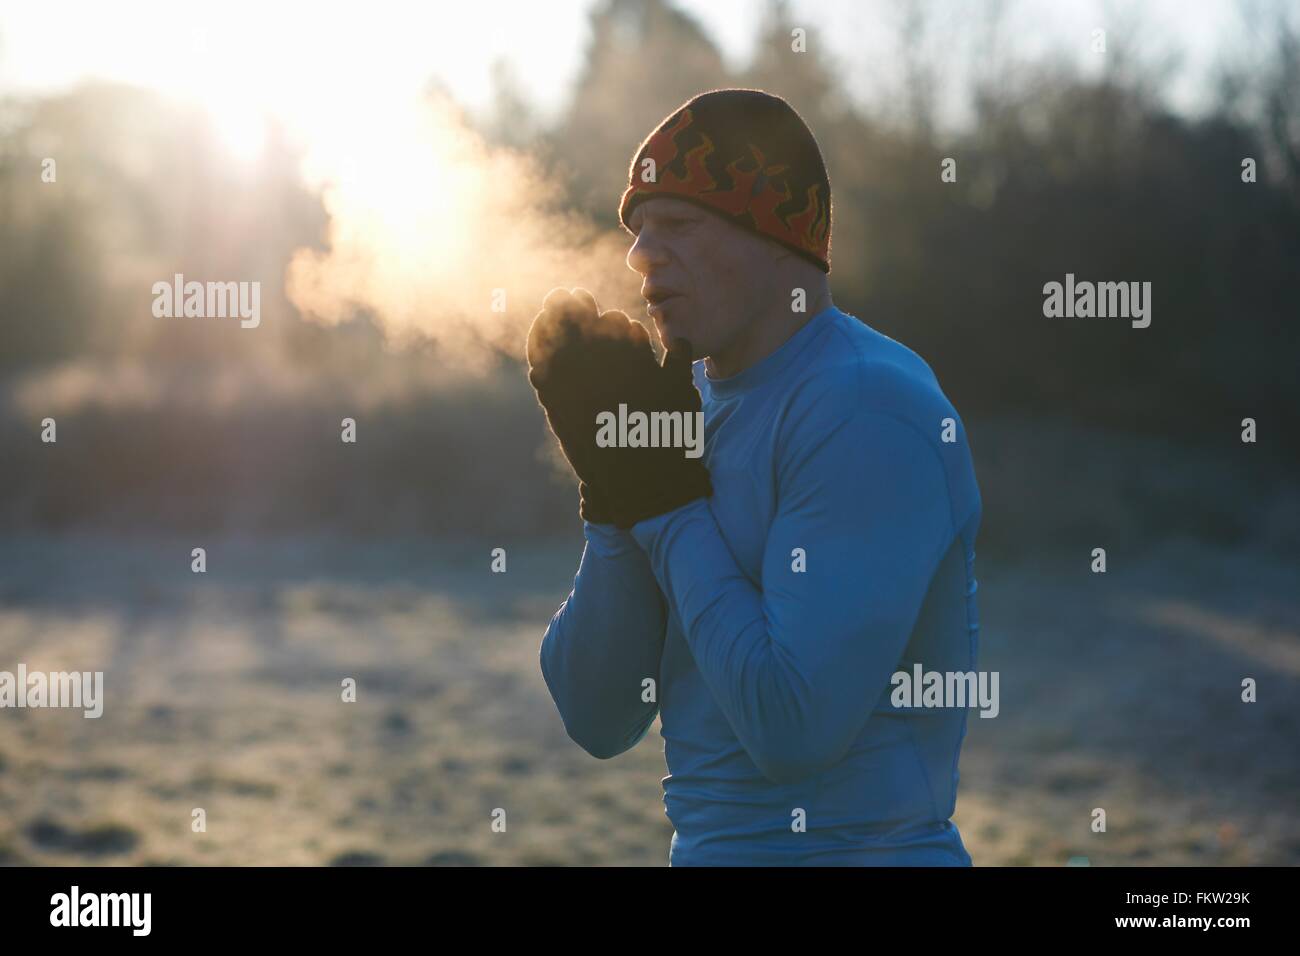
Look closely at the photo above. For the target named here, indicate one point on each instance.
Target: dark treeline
(1077, 424)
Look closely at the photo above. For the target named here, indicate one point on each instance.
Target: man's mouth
(656, 297)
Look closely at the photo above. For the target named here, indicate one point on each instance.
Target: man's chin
(667, 335)
(669, 330)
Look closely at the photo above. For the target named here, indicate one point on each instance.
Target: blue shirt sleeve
(604, 642)
(798, 664)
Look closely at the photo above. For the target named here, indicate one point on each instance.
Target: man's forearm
(721, 614)
(604, 645)
(798, 663)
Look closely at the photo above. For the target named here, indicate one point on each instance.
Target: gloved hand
(583, 362)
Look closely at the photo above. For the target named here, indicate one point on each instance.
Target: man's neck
(767, 334)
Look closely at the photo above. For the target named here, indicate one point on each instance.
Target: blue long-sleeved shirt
(763, 625)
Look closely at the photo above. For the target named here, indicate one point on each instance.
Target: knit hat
(746, 155)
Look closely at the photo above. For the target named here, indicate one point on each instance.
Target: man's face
(706, 279)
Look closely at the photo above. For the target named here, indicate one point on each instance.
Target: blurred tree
(806, 79)
(1259, 85)
(645, 59)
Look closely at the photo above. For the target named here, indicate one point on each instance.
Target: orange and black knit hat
(746, 155)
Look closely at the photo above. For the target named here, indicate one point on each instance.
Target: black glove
(581, 363)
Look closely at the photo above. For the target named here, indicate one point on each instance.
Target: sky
(241, 59)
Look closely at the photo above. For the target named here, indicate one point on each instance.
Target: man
(760, 598)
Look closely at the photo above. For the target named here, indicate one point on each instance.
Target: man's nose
(646, 253)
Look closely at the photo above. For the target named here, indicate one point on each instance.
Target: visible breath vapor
(437, 234)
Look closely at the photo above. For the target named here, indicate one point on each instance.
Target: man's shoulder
(857, 368)
(858, 375)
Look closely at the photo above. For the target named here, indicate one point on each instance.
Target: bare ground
(1118, 691)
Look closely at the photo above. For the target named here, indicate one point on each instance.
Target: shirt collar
(771, 366)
